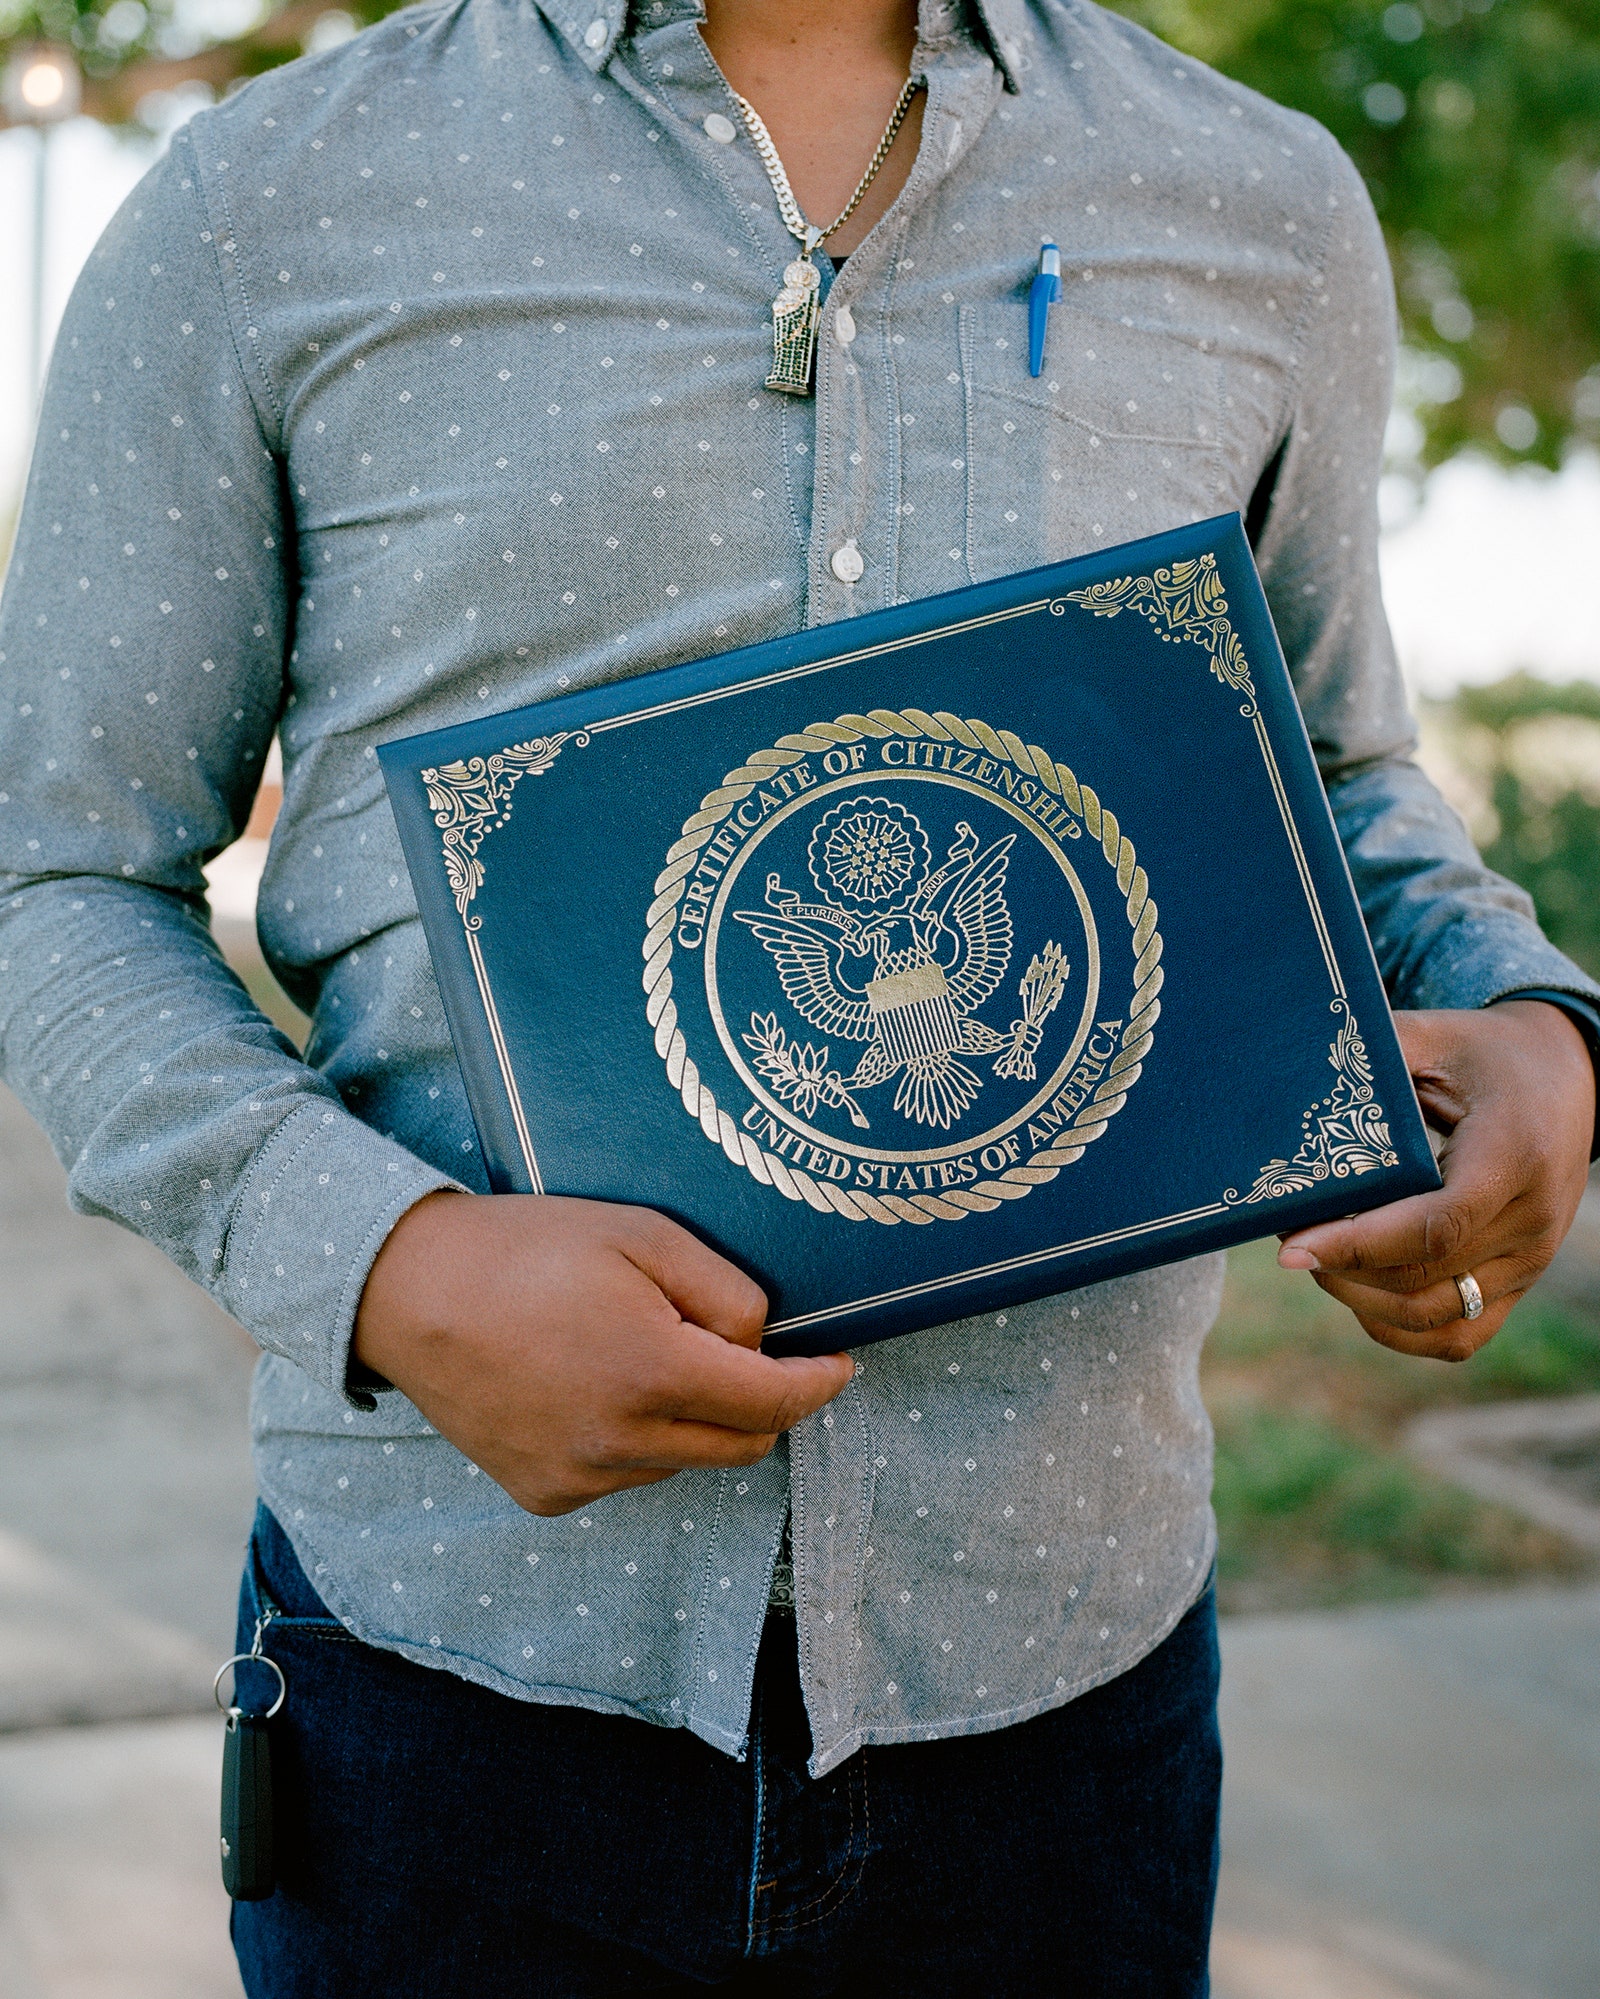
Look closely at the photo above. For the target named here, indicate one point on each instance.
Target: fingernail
(1292, 1257)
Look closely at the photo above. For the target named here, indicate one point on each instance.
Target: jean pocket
(1119, 437)
(274, 1582)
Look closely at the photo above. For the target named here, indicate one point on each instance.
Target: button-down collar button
(721, 129)
(846, 563)
(594, 35)
(844, 326)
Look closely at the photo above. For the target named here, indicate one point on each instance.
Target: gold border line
(998, 1269)
(817, 666)
(1292, 831)
(503, 1055)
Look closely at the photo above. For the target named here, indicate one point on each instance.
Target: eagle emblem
(901, 955)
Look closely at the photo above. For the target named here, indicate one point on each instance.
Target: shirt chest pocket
(1117, 438)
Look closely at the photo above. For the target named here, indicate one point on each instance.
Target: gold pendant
(795, 312)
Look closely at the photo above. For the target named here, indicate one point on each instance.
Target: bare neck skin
(824, 75)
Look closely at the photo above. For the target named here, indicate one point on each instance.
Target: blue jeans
(439, 1840)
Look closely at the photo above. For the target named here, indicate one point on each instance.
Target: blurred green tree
(1532, 749)
(1475, 122)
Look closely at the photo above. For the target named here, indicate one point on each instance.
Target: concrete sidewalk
(124, 1452)
(1412, 1802)
(125, 1497)
(109, 1884)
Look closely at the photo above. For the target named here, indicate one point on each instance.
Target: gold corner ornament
(1343, 1133)
(1183, 602)
(881, 895)
(471, 798)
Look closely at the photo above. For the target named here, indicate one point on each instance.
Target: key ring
(254, 1657)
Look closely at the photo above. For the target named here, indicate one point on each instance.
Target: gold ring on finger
(1471, 1296)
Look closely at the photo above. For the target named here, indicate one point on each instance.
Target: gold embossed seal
(858, 878)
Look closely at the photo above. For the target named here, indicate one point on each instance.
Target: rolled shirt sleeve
(143, 634)
(1447, 931)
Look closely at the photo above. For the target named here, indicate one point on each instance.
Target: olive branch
(799, 1075)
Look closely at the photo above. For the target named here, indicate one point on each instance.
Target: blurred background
(1409, 1552)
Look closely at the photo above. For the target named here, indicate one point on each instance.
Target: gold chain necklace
(795, 310)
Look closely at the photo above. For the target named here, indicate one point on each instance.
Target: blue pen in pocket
(1042, 294)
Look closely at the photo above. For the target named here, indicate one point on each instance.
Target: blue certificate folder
(957, 954)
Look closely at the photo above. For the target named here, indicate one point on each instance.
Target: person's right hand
(574, 1348)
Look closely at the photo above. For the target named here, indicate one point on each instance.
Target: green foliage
(1306, 1512)
(1541, 1350)
(1476, 124)
(1541, 819)
(146, 43)
(1316, 1499)
(1553, 850)
(1520, 697)
(105, 35)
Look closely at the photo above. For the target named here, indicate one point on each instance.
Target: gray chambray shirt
(423, 379)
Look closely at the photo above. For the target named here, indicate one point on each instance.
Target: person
(427, 377)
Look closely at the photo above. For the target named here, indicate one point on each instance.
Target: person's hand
(1512, 1086)
(574, 1348)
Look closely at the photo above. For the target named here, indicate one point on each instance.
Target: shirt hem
(466, 1666)
(890, 1734)
(479, 1673)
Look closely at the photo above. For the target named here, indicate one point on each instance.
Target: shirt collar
(1000, 27)
(594, 27)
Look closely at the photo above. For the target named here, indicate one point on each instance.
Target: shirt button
(844, 326)
(721, 129)
(846, 563)
(595, 34)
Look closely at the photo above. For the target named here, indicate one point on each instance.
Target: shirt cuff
(1585, 1017)
(322, 1196)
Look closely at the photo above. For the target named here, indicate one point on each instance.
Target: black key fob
(247, 1859)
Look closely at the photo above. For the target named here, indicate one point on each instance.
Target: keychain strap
(256, 1657)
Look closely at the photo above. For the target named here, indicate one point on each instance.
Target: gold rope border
(825, 1196)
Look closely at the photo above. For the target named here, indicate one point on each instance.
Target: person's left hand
(1512, 1086)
